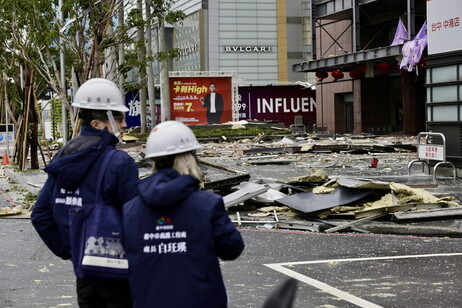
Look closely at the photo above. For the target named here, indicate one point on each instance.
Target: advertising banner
(133, 116)
(201, 100)
(444, 19)
(7, 133)
(277, 103)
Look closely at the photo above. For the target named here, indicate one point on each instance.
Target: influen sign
(248, 49)
(277, 103)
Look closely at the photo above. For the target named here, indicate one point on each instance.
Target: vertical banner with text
(201, 100)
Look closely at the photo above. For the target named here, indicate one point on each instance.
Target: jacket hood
(72, 163)
(166, 188)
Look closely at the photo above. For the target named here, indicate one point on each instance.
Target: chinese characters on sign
(433, 152)
(443, 26)
(201, 100)
(446, 24)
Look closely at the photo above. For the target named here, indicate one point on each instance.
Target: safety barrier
(428, 151)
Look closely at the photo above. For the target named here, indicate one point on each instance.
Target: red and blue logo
(163, 221)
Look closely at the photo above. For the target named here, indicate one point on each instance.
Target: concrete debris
(237, 126)
(314, 175)
(303, 180)
(7, 211)
(405, 194)
(247, 191)
(326, 188)
(269, 196)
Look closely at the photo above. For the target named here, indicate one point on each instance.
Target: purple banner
(277, 103)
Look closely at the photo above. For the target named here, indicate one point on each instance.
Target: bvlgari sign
(248, 49)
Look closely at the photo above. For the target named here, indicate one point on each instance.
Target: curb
(27, 180)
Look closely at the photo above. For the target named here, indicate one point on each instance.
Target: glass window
(247, 6)
(445, 113)
(227, 27)
(267, 28)
(444, 94)
(444, 74)
(228, 20)
(227, 13)
(264, 13)
(429, 114)
(348, 98)
(247, 27)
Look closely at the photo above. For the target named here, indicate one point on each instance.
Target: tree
(94, 37)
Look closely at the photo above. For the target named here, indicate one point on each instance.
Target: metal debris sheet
(308, 202)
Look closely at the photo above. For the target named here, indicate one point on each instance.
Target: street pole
(63, 77)
(150, 73)
(164, 86)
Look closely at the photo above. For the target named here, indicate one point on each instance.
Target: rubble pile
(314, 183)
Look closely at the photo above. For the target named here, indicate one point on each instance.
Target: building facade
(260, 40)
(444, 74)
(360, 86)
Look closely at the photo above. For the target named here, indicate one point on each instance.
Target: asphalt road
(333, 270)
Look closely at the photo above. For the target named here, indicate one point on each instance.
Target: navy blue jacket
(174, 234)
(72, 178)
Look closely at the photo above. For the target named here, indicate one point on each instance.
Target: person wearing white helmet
(72, 178)
(174, 232)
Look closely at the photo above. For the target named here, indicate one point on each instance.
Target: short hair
(88, 115)
(213, 83)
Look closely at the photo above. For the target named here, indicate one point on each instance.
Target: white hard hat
(170, 138)
(99, 94)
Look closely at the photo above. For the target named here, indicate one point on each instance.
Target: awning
(350, 59)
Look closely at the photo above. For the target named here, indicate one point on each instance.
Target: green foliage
(30, 197)
(228, 132)
(212, 132)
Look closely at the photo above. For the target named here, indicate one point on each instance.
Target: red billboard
(277, 103)
(201, 100)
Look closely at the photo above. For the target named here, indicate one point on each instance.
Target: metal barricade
(428, 151)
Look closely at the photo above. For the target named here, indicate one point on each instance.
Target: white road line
(280, 267)
(372, 258)
(323, 286)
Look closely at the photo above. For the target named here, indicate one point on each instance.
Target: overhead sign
(444, 18)
(277, 103)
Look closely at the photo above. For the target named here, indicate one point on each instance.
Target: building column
(357, 104)
(413, 104)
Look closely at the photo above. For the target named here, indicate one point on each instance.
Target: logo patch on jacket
(163, 221)
(165, 240)
(68, 197)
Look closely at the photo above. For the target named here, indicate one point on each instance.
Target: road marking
(323, 286)
(280, 267)
(372, 258)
